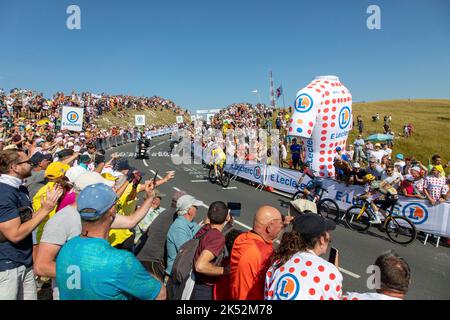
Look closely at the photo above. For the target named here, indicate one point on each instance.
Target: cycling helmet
(369, 177)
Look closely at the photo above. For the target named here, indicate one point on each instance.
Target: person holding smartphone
(298, 271)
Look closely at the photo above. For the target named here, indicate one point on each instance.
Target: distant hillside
(152, 117)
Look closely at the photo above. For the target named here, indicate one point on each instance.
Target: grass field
(152, 117)
(430, 119)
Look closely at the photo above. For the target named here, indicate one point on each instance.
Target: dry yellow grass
(152, 117)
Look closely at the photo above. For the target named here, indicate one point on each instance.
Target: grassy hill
(152, 117)
(430, 119)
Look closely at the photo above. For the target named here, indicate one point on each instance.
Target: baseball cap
(65, 153)
(311, 225)
(338, 149)
(356, 165)
(400, 156)
(94, 201)
(416, 169)
(409, 178)
(90, 178)
(187, 201)
(56, 170)
(377, 145)
(38, 157)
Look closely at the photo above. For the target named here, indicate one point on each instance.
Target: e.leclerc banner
(72, 118)
(255, 173)
(426, 218)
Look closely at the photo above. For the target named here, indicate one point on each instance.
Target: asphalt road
(430, 265)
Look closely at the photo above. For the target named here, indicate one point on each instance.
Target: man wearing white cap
(66, 224)
(357, 175)
(183, 228)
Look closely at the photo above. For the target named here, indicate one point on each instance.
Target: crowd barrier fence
(429, 219)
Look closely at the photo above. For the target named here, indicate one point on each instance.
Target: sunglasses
(22, 162)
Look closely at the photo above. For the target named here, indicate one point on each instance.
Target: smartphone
(154, 179)
(235, 208)
(333, 254)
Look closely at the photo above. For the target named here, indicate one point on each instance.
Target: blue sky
(211, 53)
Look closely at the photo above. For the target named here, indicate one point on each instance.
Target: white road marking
(242, 225)
(145, 163)
(229, 188)
(176, 189)
(152, 171)
(161, 143)
(351, 274)
(199, 181)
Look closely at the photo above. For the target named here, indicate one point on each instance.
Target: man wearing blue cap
(88, 268)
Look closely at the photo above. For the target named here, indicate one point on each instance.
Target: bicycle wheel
(212, 175)
(225, 179)
(400, 230)
(351, 216)
(329, 209)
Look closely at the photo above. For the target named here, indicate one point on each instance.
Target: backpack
(183, 279)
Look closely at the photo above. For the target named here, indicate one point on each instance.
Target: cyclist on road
(388, 196)
(218, 157)
(313, 186)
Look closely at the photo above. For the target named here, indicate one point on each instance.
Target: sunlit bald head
(268, 223)
(266, 214)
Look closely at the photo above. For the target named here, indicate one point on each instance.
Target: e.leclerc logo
(416, 212)
(72, 117)
(257, 173)
(288, 287)
(303, 103)
(344, 117)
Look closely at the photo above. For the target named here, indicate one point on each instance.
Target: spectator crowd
(92, 228)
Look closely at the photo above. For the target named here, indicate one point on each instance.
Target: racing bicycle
(223, 177)
(326, 207)
(399, 229)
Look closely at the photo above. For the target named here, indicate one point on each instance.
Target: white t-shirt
(378, 154)
(367, 296)
(304, 277)
(391, 179)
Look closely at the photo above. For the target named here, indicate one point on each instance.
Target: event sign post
(72, 118)
(140, 120)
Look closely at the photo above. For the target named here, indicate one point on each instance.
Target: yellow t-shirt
(37, 204)
(118, 236)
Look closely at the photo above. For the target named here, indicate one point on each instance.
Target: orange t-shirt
(250, 260)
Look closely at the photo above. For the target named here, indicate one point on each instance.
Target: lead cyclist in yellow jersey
(218, 158)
